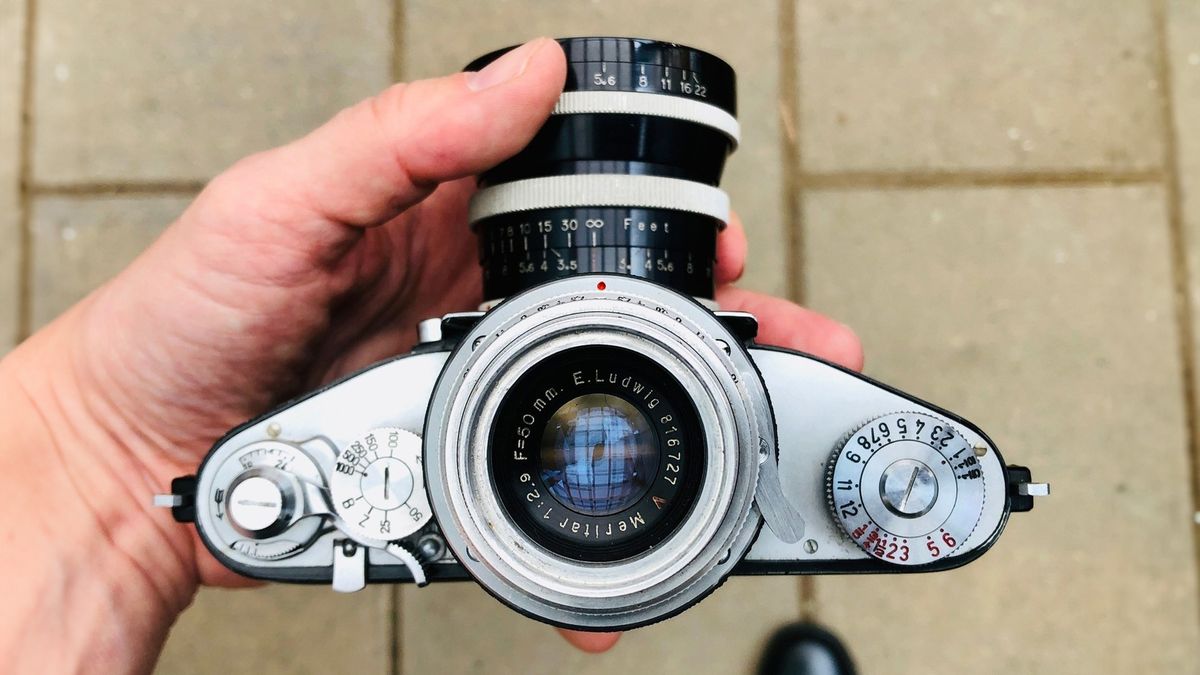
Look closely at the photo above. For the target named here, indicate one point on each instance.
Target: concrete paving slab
(441, 37)
(81, 242)
(1014, 85)
(134, 91)
(1044, 315)
(282, 629)
(459, 628)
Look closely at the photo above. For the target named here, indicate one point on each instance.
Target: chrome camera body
(602, 447)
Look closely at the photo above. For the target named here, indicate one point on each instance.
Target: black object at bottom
(805, 649)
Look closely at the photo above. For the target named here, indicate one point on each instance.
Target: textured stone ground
(1003, 197)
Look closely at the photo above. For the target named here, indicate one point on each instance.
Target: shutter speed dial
(378, 487)
(907, 488)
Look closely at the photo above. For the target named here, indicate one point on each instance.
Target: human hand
(293, 268)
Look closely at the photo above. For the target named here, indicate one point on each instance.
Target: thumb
(384, 154)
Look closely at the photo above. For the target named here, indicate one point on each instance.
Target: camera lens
(597, 453)
(622, 179)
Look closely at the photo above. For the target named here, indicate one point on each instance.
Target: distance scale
(907, 488)
(675, 248)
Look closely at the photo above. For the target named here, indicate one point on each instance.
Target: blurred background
(1002, 197)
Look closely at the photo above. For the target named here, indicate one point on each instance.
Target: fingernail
(507, 67)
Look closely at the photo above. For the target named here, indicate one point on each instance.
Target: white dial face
(907, 488)
(378, 487)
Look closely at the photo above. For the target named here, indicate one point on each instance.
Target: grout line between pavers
(789, 118)
(793, 206)
(915, 179)
(879, 180)
(395, 598)
(1177, 238)
(25, 180)
(397, 40)
(90, 189)
(395, 625)
(808, 598)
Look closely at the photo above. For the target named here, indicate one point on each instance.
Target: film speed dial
(378, 487)
(906, 487)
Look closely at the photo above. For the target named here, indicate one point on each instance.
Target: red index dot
(601, 286)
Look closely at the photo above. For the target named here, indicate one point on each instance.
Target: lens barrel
(622, 179)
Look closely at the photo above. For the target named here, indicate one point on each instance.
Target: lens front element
(599, 454)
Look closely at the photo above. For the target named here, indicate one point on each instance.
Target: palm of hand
(308, 262)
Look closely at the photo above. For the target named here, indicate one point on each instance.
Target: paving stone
(81, 242)
(282, 629)
(443, 36)
(129, 90)
(1044, 315)
(996, 86)
(458, 628)
(12, 21)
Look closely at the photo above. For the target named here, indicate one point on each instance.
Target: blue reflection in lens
(599, 454)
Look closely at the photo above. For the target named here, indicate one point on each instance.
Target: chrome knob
(908, 488)
(262, 502)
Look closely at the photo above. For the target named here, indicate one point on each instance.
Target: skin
(292, 268)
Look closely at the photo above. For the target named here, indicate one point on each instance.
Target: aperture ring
(640, 103)
(600, 190)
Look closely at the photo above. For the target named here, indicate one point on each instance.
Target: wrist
(75, 498)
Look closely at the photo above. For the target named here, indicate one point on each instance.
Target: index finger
(731, 251)
(592, 643)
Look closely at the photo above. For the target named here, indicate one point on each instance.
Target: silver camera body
(603, 446)
(779, 430)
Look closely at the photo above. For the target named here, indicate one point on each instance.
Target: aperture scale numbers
(640, 77)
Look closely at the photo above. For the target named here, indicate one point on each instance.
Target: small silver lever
(783, 518)
(1033, 489)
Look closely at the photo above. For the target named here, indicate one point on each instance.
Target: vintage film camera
(603, 446)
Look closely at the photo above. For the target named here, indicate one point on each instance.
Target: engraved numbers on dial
(907, 488)
(378, 486)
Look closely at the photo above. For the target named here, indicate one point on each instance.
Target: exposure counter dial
(907, 488)
(378, 487)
